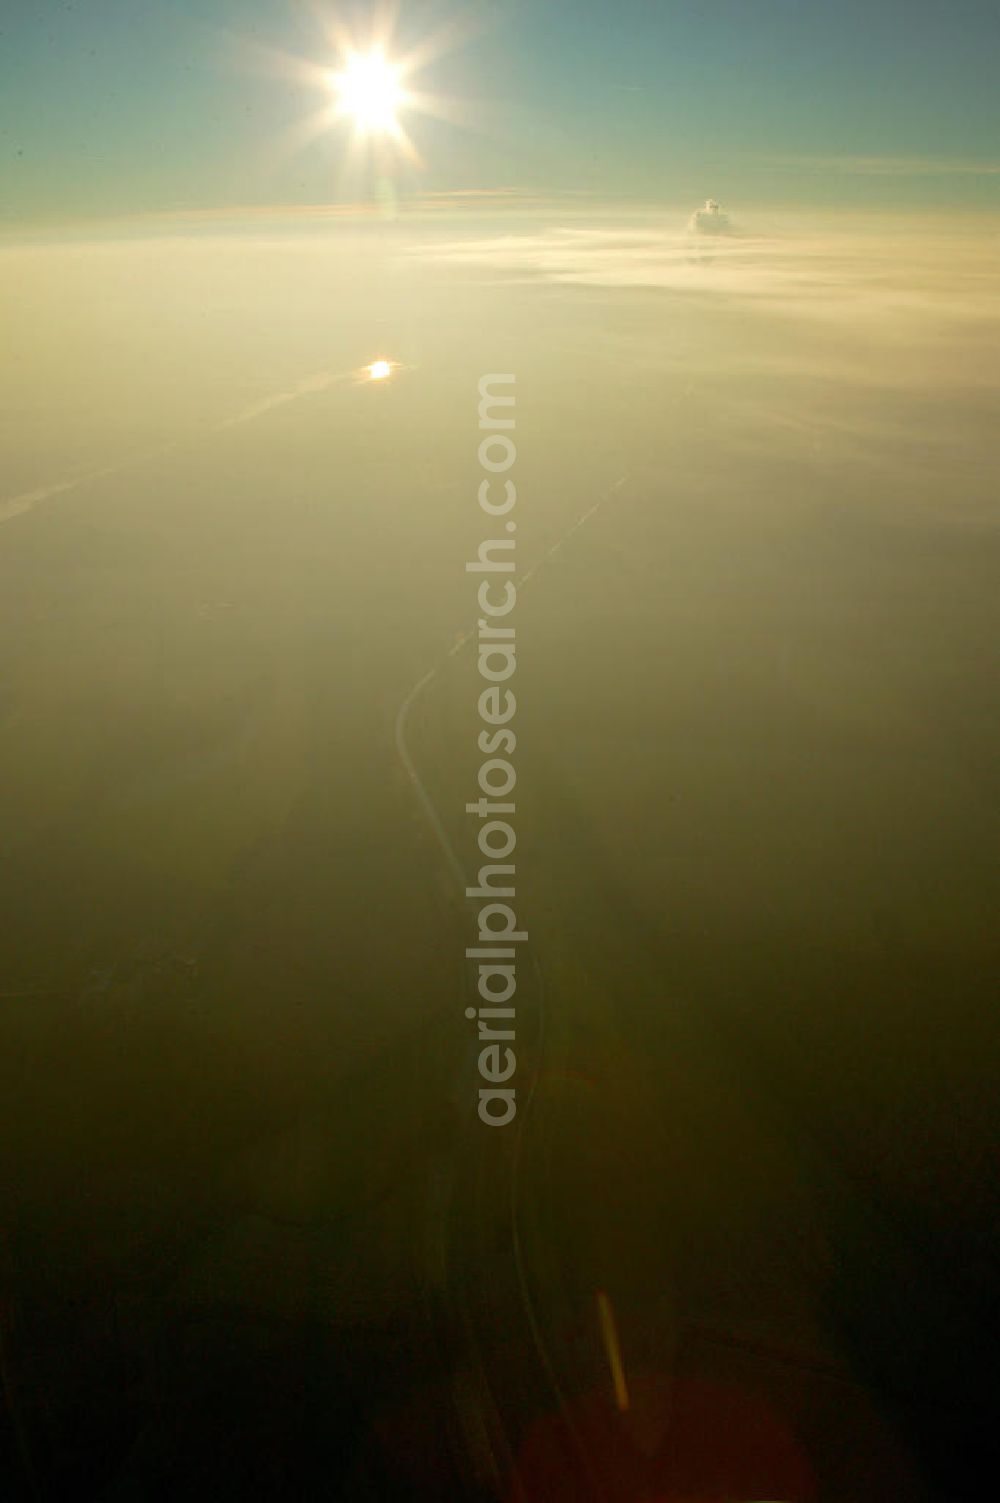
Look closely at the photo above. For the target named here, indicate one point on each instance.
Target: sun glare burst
(368, 91)
(371, 85)
(379, 370)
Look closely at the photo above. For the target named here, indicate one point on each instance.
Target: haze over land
(754, 702)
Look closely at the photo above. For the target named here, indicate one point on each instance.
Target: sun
(368, 91)
(379, 370)
(371, 84)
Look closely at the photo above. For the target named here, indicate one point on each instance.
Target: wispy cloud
(307, 387)
(867, 343)
(882, 272)
(16, 506)
(884, 166)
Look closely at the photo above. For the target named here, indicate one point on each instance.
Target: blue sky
(120, 105)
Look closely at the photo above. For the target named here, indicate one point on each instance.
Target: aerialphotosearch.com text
(498, 935)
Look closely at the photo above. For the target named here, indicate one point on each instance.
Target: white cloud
(888, 276)
(709, 220)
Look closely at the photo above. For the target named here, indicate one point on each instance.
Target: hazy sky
(120, 105)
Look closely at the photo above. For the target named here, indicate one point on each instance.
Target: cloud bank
(900, 272)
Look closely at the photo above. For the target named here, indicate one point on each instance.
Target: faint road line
(427, 804)
(16, 506)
